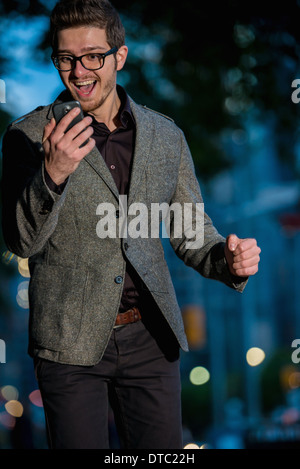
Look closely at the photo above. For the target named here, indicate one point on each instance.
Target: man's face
(91, 88)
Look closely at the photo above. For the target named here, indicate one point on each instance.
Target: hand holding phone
(66, 141)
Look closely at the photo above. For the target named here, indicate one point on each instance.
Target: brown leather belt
(128, 317)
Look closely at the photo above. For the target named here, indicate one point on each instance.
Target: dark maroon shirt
(117, 149)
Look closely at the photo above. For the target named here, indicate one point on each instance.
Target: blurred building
(258, 197)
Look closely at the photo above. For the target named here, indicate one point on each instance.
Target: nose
(79, 69)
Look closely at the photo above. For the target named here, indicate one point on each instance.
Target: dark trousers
(138, 376)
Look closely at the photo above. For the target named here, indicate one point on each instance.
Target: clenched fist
(242, 255)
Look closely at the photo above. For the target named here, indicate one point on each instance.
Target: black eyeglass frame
(55, 57)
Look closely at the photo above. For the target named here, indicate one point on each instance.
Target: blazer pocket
(57, 302)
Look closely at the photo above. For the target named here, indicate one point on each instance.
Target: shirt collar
(125, 110)
(125, 114)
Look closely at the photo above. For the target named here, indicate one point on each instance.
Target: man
(105, 325)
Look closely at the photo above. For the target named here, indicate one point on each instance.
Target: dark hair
(98, 13)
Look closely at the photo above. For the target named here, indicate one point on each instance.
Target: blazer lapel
(96, 161)
(143, 142)
(94, 158)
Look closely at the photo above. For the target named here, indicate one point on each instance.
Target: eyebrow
(86, 49)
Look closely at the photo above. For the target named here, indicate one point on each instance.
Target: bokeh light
(255, 356)
(14, 408)
(22, 295)
(191, 446)
(7, 420)
(9, 393)
(23, 267)
(7, 257)
(294, 380)
(199, 375)
(36, 398)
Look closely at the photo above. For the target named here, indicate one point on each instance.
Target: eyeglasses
(91, 61)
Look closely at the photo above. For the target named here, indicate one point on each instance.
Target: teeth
(84, 83)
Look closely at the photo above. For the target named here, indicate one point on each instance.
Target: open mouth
(85, 87)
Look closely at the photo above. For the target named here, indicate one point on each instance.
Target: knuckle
(89, 131)
(60, 146)
(252, 270)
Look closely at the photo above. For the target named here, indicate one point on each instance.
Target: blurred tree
(196, 408)
(10, 11)
(5, 267)
(275, 380)
(209, 66)
(219, 64)
(28, 8)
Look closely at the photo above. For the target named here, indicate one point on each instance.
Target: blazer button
(126, 246)
(119, 279)
(117, 213)
(46, 208)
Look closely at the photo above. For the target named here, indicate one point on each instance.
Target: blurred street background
(228, 75)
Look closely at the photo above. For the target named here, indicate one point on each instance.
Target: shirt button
(112, 166)
(119, 279)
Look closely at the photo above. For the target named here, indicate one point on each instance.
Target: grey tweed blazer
(76, 277)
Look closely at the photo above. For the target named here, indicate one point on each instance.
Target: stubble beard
(94, 104)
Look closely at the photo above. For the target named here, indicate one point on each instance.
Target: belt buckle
(130, 316)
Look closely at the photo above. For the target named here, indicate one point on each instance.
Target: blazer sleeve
(206, 255)
(29, 208)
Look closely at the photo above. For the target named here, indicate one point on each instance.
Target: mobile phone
(61, 109)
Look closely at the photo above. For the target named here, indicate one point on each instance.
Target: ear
(121, 57)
